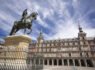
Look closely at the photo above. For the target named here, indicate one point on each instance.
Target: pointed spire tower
(81, 34)
(80, 28)
(40, 38)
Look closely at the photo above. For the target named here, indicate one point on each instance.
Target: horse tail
(12, 31)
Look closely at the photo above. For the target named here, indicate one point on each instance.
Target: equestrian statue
(24, 23)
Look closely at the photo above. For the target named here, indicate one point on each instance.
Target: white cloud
(90, 32)
(65, 30)
(6, 21)
(41, 22)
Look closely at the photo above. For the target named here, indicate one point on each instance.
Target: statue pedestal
(15, 51)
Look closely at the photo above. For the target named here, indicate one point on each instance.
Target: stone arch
(76, 62)
(45, 61)
(82, 62)
(55, 62)
(32, 61)
(65, 62)
(37, 61)
(89, 63)
(60, 62)
(41, 61)
(50, 61)
(71, 62)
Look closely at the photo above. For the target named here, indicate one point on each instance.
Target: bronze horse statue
(27, 24)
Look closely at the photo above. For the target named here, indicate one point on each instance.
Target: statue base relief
(14, 54)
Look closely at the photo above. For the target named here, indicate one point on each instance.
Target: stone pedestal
(15, 50)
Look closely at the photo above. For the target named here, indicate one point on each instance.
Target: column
(74, 62)
(47, 61)
(68, 61)
(93, 61)
(39, 61)
(79, 62)
(85, 62)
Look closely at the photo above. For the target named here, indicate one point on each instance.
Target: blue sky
(57, 18)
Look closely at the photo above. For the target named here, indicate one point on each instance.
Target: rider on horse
(24, 15)
(21, 24)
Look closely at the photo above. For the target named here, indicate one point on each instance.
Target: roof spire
(41, 33)
(80, 28)
(78, 23)
(40, 38)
